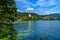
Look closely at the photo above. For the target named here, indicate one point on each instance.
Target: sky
(41, 7)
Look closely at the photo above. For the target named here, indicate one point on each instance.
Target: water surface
(37, 30)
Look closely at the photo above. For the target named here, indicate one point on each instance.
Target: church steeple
(29, 15)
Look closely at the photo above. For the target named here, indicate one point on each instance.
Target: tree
(7, 13)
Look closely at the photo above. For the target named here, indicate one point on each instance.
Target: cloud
(30, 9)
(52, 2)
(52, 10)
(40, 2)
(43, 10)
(55, 12)
(18, 10)
(46, 3)
(45, 7)
(47, 12)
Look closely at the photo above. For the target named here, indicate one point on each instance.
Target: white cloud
(55, 12)
(52, 2)
(47, 12)
(30, 9)
(51, 10)
(24, 4)
(40, 2)
(18, 10)
(44, 3)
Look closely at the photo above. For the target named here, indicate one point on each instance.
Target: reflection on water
(38, 30)
(30, 26)
(23, 29)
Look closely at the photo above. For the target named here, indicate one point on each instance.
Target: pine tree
(7, 14)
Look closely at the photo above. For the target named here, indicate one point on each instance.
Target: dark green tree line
(7, 14)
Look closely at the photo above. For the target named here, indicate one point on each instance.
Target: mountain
(35, 14)
(55, 15)
(27, 14)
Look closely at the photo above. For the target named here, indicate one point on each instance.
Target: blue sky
(38, 6)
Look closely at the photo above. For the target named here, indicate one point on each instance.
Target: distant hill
(35, 14)
(55, 15)
(27, 14)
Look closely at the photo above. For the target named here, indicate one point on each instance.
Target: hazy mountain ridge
(55, 15)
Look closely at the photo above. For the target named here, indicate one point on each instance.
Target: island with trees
(25, 16)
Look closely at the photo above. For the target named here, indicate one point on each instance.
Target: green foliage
(7, 14)
(25, 16)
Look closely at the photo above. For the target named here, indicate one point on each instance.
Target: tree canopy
(7, 14)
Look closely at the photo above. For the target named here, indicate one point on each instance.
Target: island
(28, 16)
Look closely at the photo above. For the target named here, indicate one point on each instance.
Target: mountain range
(53, 15)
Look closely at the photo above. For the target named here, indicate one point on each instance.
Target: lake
(37, 30)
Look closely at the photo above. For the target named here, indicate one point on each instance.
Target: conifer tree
(7, 14)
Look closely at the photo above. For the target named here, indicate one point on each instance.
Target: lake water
(37, 30)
